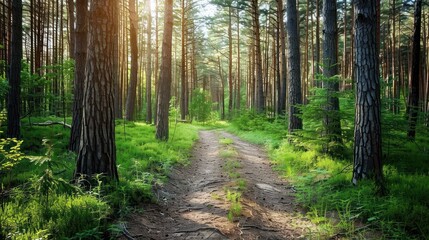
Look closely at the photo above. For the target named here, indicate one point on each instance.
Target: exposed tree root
(49, 123)
(246, 227)
(200, 229)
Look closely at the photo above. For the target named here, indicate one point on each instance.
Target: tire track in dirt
(192, 205)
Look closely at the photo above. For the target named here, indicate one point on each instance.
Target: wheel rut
(194, 203)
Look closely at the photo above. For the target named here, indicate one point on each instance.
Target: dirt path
(194, 205)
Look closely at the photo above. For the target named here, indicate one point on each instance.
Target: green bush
(201, 105)
(313, 135)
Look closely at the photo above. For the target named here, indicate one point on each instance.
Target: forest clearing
(214, 119)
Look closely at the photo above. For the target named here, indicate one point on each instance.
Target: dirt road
(196, 201)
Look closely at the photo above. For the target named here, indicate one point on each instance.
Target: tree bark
(14, 96)
(165, 75)
(149, 66)
(222, 92)
(259, 85)
(116, 68)
(238, 97)
(413, 95)
(331, 119)
(317, 48)
(283, 75)
(367, 132)
(132, 89)
(294, 97)
(183, 90)
(81, 34)
(71, 18)
(97, 150)
(230, 83)
(156, 61)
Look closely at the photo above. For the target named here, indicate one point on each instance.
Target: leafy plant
(235, 207)
(317, 134)
(200, 108)
(10, 153)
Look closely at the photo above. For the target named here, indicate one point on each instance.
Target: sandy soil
(193, 205)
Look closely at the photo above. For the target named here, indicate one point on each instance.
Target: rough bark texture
(71, 19)
(259, 85)
(149, 66)
(97, 150)
(294, 74)
(282, 65)
(165, 75)
(413, 95)
(81, 34)
(238, 96)
(14, 96)
(183, 88)
(281, 88)
(156, 62)
(331, 120)
(132, 89)
(221, 92)
(367, 132)
(230, 82)
(317, 47)
(117, 83)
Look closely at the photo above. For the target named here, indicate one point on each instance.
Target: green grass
(238, 185)
(227, 153)
(67, 216)
(40, 204)
(324, 185)
(226, 141)
(235, 207)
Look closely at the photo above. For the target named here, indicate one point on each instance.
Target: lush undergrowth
(324, 185)
(37, 200)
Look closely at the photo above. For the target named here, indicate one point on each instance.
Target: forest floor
(196, 200)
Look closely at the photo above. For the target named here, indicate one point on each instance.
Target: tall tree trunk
(317, 50)
(183, 92)
(116, 59)
(344, 66)
(413, 93)
(283, 75)
(238, 97)
(331, 119)
(97, 150)
(81, 35)
(132, 89)
(294, 97)
(156, 61)
(367, 132)
(395, 91)
(304, 86)
(352, 47)
(277, 55)
(222, 91)
(14, 96)
(230, 83)
(259, 85)
(3, 37)
(149, 66)
(38, 90)
(71, 19)
(165, 75)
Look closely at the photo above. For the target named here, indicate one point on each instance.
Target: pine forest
(214, 119)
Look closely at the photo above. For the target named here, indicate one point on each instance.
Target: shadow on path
(192, 205)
